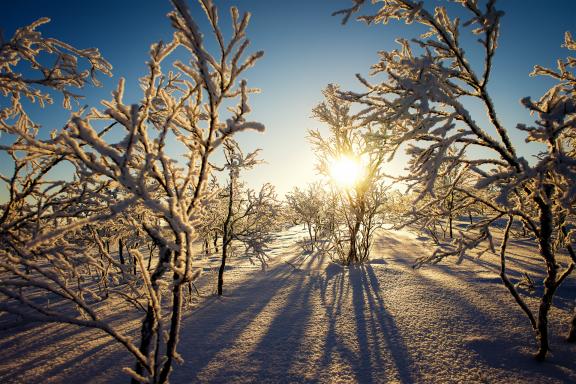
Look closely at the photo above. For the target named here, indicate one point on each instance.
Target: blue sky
(305, 49)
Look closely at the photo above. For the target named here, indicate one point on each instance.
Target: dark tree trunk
(120, 255)
(544, 308)
(572, 333)
(174, 332)
(450, 216)
(221, 270)
(311, 235)
(215, 242)
(550, 284)
(149, 329)
(147, 332)
(226, 237)
(353, 251)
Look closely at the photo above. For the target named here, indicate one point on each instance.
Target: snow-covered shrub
(313, 207)
(208, 226)
(54, 234)
(422, 106)
(358, 205)
(443, 209)
(249, 217)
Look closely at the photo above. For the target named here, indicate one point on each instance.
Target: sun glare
(346, 171)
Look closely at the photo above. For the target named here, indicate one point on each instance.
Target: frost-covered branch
(83, 235)
(422, 106)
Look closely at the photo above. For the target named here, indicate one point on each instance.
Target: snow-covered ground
(305, 319)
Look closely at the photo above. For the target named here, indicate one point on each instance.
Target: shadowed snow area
(306, 319)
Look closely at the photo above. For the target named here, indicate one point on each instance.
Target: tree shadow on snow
(210, 333)
(309, 320)
(492, 325)
(295, 326)
(380, 354)
(53, 353)
(502, 354)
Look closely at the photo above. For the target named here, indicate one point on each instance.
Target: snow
(306, 319)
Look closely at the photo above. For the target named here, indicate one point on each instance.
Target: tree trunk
(360, 212)
(221, 270)
(215, 242)
(550, 284)
(133, 264)
(450, 216)
(572, 333)
(147, 332)
(310, 235)
(149, 329)
(226, 236)
(545, 304)
(353, 251)
(174, 332)
(120, 246)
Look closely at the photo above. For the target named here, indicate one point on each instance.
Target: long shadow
(509, 349)
(287, 344)
(207, 328)
(280, 347)
(504, 354)
(98, 359)
(382, 322)
(82, 345)
(364, 370)
(517, 265)
(333, 301)
(460, 298)
(32, 345)
(379, 342)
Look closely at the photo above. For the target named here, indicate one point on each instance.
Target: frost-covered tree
(421, 105)
(209, 228)
(312, 207)
(447, 206)
(44, 224)
(249, 217)
(359, 203)
(259, 216)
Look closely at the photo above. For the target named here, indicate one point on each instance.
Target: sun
(346, 171)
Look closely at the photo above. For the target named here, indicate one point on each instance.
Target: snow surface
(306, 319)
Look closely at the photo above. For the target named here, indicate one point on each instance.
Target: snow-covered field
(305, 319)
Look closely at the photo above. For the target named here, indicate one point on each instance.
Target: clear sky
(305, 49)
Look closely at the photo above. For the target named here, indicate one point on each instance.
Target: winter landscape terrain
(305, 319)
(418, 226)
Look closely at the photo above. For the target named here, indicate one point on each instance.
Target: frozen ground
(305, 319)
